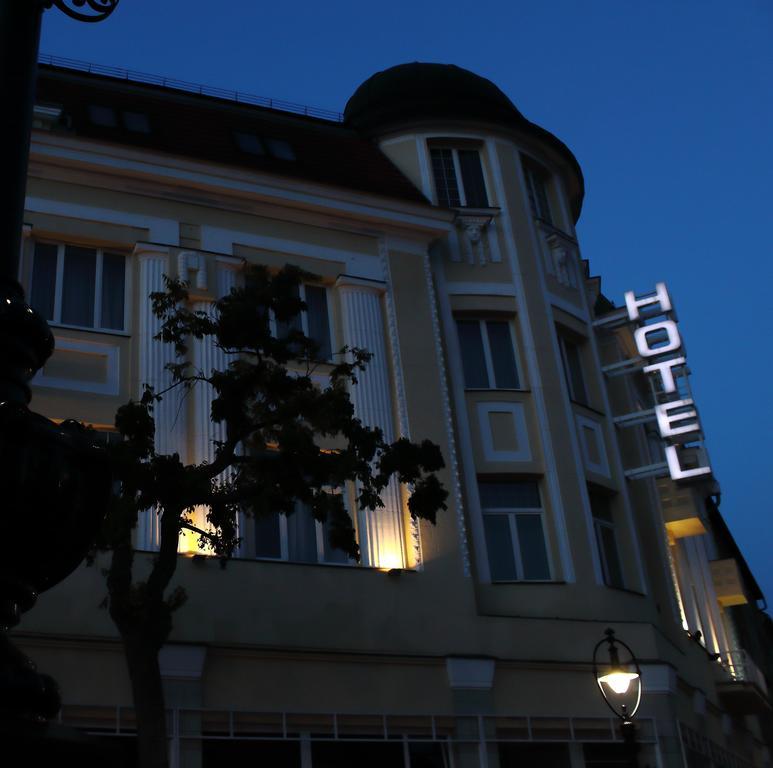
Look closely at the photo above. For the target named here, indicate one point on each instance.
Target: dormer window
(458, 177)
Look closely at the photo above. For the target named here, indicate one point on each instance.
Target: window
(572, 358)
(458, 177)
(536, 186)
(260, 146)
(314, 321)
(513, 524)
(488, 354)
(606, 540)
(297, 538)
(249, 143)
(83, 287)
(280, 149)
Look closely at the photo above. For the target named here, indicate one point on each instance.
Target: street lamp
(55, 478)
(619, 680)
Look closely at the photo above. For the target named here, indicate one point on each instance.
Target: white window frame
(487, 353)
(458, 173)
(284, 542)
(304, 315)
(512, 513)
(58, 288)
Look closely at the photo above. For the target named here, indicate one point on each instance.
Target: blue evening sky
(666, 104)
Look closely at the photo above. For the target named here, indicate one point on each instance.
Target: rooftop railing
(182, 85)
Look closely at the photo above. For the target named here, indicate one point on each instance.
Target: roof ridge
(238, 97)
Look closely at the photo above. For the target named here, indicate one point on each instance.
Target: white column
(206, 357)
(154, 355)
(381, 531)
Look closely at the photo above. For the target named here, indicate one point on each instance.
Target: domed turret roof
(421, 92)
(428, 91)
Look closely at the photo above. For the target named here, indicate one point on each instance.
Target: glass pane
(427, 755)
(472, 178)
(600, 506)
(78, 286)
(136, 122)
(445, 177)
(502, 355)
(267, 537)
(574, 373)
(249, 143)
(613, 572)
(354, 754)
(473, 359)
(302, 535)
(283, 327)
(499, 545)
(113, 277)
(280, 149)
(319, 322)
(331, 554)
(534, 555)
(515, 495)
(43, 290)
(104, 116)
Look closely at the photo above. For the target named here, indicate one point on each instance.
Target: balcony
(745, 691)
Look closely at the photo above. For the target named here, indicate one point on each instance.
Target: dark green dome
(419, 92)
(428, 91)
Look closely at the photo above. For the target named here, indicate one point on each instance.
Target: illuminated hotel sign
(660, 346)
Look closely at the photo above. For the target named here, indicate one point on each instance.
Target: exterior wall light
(619, 681)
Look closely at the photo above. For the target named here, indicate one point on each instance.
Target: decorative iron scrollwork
(86, 10)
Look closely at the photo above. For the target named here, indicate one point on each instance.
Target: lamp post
(619, 680)
(55, 478)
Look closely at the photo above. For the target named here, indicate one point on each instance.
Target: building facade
(439, 224)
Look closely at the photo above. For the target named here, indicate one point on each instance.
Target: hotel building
(440, 225)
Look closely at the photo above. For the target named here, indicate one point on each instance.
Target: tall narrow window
(536, 186)
(488, 354)
(314, 321)
(82, 287)
(514, 528)
(575, 379)
(606, 539)
(459, 180)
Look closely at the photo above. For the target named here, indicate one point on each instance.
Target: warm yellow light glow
(618, 680)
(389, 558)
(188, 541)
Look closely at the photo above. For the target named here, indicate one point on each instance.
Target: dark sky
(666, 104)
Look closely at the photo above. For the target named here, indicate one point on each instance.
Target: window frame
(455, 148)
(56, 321)
(536, 174)
(304, 318)
(604, 519)
(563, 341)
(512, 513)
(487, 356)
(319, 533)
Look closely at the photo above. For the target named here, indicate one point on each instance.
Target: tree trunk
(145, 673)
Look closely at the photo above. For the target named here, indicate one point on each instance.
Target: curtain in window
(319, 325)
(302, 535)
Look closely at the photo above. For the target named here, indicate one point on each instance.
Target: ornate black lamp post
(55, 480)
(619, 681)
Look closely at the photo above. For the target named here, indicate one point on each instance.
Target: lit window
(297, 538)
(606, 540)
(105, 117)
(459, 178)
(536, 186)
(515, 536)
(84, 287)
(249, 143)
(488, 354)
(575, 379)
(314, 321)
(136, 122)
(279, 149)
